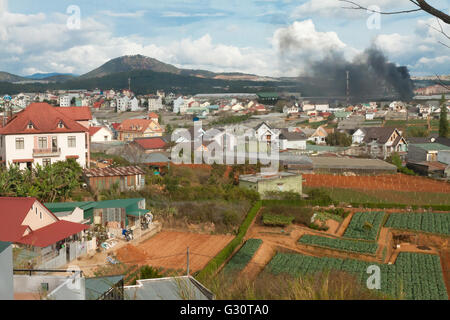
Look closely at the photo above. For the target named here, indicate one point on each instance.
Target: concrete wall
(287, 184)
(444, 157)
(6, 272)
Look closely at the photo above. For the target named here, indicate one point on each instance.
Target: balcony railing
(50, 152)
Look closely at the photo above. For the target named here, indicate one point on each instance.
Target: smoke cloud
(371, 75)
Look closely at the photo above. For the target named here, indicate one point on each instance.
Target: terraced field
(243, 256)
(437, 223)
(340, 244)
(415, 276)
(365, 225)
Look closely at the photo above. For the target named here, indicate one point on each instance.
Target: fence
(55, 262)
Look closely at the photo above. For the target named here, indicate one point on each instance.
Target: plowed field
(397, 182)
(168, 250)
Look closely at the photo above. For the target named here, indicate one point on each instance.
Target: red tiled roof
(12, 213)
(53, 233)
(94, 130)
(45, 119)
(113, 172)
(115, 126)
(76, 113)
(151, 143)
(153, 115)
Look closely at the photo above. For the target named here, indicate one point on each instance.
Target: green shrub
(277, 220)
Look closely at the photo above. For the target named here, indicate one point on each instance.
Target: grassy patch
(276, 220)
(340, 244)
(365, 225)
(240, 260)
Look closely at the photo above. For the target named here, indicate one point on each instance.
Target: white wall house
(133, 104)
(122, 103)
(42, 135)
(64, 101)
(155, 104)
(358, 136)
(100, 134)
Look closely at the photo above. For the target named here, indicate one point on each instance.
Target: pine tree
(443, 121)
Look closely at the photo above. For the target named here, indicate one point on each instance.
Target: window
(20, 143)
(60, 125)
(72, 142)
(30, 125)
(42, 142)
(46, 162)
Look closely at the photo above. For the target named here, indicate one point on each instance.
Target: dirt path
(445, 263)
(261, 258)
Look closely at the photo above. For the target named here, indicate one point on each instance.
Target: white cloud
(336, 8)
(136, 14)
(176, 14)
(300, 44)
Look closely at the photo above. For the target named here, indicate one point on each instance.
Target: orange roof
(139, 125)
(44, 118)
(94, 130)
(77, 113)
(153, 115)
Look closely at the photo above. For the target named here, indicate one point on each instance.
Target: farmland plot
(365, 225)
(438, 223)
(340, 244)
(243, 256)
(416, 276)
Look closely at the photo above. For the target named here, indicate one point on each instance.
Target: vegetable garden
(437, 223)
(415, 276)
(340, 244)
(365, 225)
(243, 256)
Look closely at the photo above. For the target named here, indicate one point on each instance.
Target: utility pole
(348, 88)
(129, 84)
(187, 260)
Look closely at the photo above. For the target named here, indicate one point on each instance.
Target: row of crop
(437, 223)
(369, 205)
(413, 276)
(365, 225)
(243, 256)
(340, 244)
(226, 252)
(274, 220)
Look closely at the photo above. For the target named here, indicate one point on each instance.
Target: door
(54, 144)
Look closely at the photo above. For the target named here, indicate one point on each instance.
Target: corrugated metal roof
(180, 288)
(431, 146)
(96, 287)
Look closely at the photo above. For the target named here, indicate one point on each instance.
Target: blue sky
(245, 36)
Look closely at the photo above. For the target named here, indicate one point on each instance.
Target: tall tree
(443, 121)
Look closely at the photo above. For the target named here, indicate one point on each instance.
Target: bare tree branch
(422, 4)
(359, 7)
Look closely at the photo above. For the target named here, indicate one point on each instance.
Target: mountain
(49, 76)
(8, 77)
(143, 63)
(130, 63)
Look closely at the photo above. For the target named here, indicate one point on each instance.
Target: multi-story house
(138, 128)
(155, 104)
(381, 142)
(42, 134)
(122, 103)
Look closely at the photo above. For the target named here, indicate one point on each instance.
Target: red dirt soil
(168, 250)
(397, 182)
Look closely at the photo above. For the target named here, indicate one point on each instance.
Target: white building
(155, 104)
(122, 103)
(133, 104)
(64, 101)
(100, 134)
(43, 135)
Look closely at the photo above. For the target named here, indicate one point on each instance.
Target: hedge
(226, 252)
(277, 220)
(442, 207)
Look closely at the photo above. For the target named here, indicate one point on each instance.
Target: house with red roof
(139, 128)
(28, 224)
(43, 134)
(100, 134)
(150, 145)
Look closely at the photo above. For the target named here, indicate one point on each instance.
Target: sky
(264, 37)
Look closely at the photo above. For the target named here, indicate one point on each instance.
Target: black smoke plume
(371, 75)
